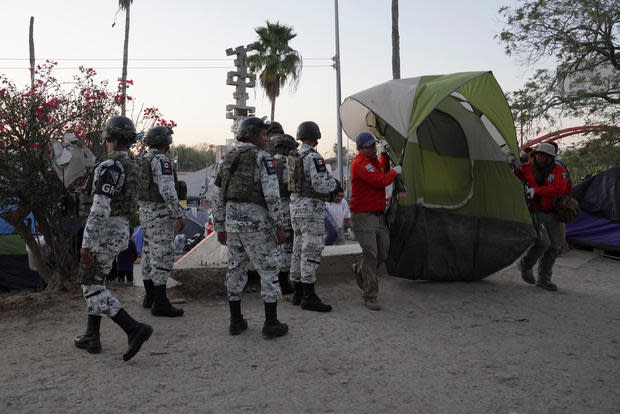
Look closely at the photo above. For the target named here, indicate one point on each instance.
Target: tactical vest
(238, 179)
(280, 165)
(124, 202)
(148, 190)
(297, 182)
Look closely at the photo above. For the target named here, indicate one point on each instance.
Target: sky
(178, 63)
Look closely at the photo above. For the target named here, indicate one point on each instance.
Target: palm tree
(275, 59)
(125, 5)
(395, 42)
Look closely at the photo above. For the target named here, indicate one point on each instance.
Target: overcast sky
(437, 37)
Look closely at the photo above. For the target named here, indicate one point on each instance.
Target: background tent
(599, 223)
(464, 216)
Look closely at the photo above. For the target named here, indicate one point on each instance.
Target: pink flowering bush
(31, 119)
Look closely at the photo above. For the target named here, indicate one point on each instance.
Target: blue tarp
(594, 231)
(6, 228)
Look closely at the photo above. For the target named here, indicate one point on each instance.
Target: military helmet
(250, 128)
(158, 135)
(308, 130)
(284, 144)
(119, 128)
(275, 128)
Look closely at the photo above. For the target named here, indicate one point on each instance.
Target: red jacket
(556, 183)
(369, 177)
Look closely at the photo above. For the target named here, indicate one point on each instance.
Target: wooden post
(31, 44)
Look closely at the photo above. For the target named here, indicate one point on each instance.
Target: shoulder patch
(564, 176)
(166, 167)
(108, 180)
(370, 167)
(269, 165)
(319, 164)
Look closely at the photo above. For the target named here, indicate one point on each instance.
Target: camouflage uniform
(286, 248)
(308, 218)
(106, 235)
(250, 231)
(157, 220)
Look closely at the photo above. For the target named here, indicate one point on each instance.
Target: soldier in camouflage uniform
(275, 129)
(159, 208)
(248, 219)
(113, 186)
(310, 185)
(280, 146)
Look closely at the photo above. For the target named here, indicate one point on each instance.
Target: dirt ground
(496, 346)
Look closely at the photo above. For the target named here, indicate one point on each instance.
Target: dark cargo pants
(547, 245)
(372, 234)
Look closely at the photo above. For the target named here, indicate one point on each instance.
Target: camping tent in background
(464, 216)
(599, 223)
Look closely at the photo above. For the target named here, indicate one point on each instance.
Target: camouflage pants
(99, 300)
(286, 251)
(259, 249)
(546, 247)
(309, 240)
(158, 249)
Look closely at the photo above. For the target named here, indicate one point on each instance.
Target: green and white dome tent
(464, 216)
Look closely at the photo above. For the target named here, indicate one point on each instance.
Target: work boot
(311, 301)
(547, 285)
(285, 285)
(371, 303)
(298, 294)
(137, 333)
(149, 287)
(237, 323)
(90, 340)
(526, 274)
(161, 304)
(358, 276)
(273, 328)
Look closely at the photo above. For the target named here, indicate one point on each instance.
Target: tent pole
(336, 66)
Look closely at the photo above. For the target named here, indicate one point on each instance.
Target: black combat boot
(137, 333)
(299, 293)
(90, 339)
(161, 304)
(237, 323)
(311, 301)
(273, 328)
(285, 285)
(149, 287)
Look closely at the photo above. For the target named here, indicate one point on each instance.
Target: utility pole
(241, 80)
(31, 47)
(336, 66)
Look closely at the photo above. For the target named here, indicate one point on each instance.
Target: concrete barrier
(202, 271)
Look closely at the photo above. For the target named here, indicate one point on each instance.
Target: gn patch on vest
(270, 166)
(108, 180)
(166, 167)
(370, 167)
(319, 163)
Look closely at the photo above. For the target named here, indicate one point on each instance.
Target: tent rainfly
(464, 216)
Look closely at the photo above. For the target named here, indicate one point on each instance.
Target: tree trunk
(125, 53)
(395, 42)
(273, 109)
(31, 45)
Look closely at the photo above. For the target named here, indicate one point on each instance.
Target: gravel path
(496, 346)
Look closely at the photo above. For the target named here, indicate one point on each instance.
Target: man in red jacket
(545, 179)
(369, 177)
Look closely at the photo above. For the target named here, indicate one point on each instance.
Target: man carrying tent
(114, 189)
(310, 185)
(545, 179)
(369, 177)
(159, 210)
(248, 220)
